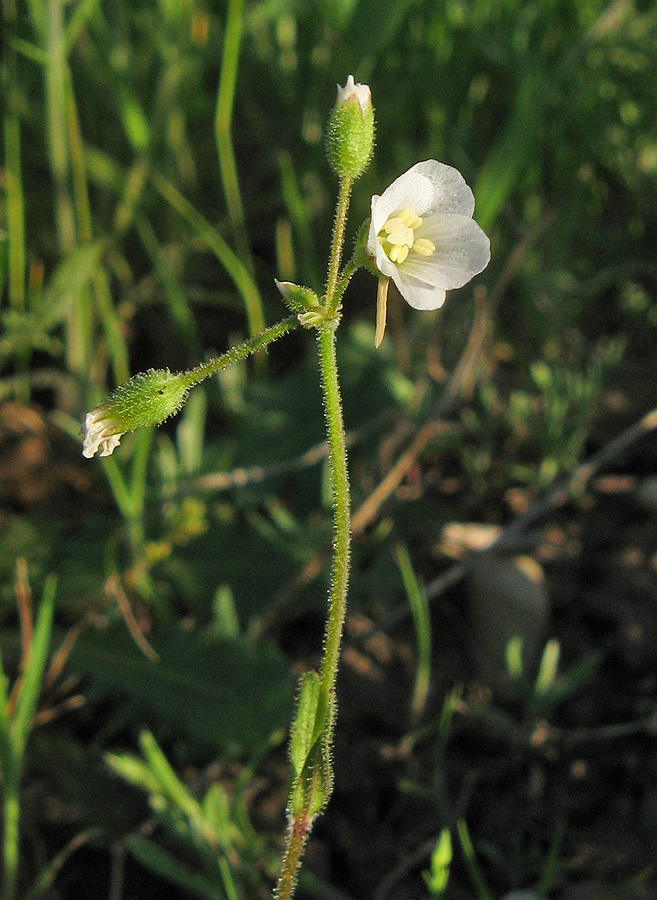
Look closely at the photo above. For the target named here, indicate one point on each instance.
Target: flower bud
(350, 134)
(147, 399)
(298, 299)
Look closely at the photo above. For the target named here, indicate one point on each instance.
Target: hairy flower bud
(147, 399)
(297, 298)
(350, 134)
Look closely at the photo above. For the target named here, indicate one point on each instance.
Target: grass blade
(417, 601)
(28, 694)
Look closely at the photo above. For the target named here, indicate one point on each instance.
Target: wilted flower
(423, 237)
(101, 433)
(360, 92)
(147, 399)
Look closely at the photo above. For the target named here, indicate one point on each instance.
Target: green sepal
(147, 399)
(350, 137)
(361, 257)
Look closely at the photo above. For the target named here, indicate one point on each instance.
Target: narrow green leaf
(78, 21)
(220, 694)
(300, 220)
(509, 158)
(313, 786)
(5, 741)
(68, 282)
(304, 720)
(4, 260)
(28, 695)
(474, 871)
(235, 268)
(44, 882)
(15, 212)
(170, 785)
(133, 770)
(163, 864)
(419, 606)
(216, 813)
(30, 51)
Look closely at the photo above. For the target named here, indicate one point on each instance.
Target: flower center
(397, 237)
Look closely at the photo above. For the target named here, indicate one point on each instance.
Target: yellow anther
(397, 237)
(393, 223)
(424, 247)
(402, 236)
(411, 219)
(398, 253)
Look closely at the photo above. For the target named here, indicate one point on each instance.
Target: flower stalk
(332, 295)
(313, 780)
(350, 139)
(150, 398)
(341, 521)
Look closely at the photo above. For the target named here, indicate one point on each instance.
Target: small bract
(423, 237)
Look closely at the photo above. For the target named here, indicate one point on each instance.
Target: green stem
(347, 274)
(332, 293)
(295, 845)
(301, 824)
(212, 366)
(341, 520)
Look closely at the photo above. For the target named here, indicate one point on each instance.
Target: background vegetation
(162, 162)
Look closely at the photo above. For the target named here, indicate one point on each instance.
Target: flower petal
(414, 191)
(451, 192)
(383, 264)
(417, 293)
(462, 251)
(101, 435)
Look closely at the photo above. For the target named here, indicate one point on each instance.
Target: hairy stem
(301, 824)
(212, 366)
(332, 293)
(341, 518)
(295, 845)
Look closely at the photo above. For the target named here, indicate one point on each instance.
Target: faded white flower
(101, 433)
(361, 92)
(423, 237)
(147, 399)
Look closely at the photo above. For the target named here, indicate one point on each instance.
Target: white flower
(101, 432)
(423, 237)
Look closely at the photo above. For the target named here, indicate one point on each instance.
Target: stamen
(393, 223)
(402, 235)
(397, 237)
(398, 253)
(381, 310)
(424, 247)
